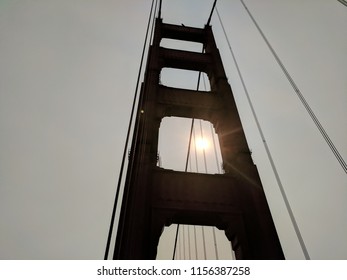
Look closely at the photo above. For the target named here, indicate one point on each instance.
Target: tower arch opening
(181, 45)
(184, 79)
(204, 153)
(194, 242)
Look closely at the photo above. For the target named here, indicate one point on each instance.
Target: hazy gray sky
(67, 78)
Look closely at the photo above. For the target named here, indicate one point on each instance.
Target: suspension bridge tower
(155, 197)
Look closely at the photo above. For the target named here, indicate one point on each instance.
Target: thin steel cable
(189, 253)
(184, 242)
(343, 2)
(113, 215)
(180, 249)
(196, 244)
(215, 151)
(190, 162)
(159, 12)
(209, 18)
(204, 242)
(182, 245)
(187, 159)
(175, 243)
(139, 130)
(300, 96)
(201, 131)
(212, 135)
(195, 152)
(177, 253)
(153, 23)
(274, 169)
(215, 243)
(194, 227)
(205, 163)
(192, 125)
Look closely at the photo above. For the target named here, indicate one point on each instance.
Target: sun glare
(201, 143)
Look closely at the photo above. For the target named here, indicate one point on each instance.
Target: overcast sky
(68, 70)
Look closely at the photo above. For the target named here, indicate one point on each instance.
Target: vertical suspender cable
(213, 140)
(204, 242)
(215, 243)
(186, 167)
(192, 125)
(187, 160)
(127, 141)
(215, 150)
(177, 255)
(290, 212)
(300, 96)
(184, 242)
(205, 163)
(197, 168)
(195, 152)
(189, 254)
(196, 244)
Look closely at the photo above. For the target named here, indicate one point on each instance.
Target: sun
(201, 143)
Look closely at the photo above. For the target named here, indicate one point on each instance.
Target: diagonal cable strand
(343, 2)
(175, 243)
(210, 17)
(299, 94)
(279, 182)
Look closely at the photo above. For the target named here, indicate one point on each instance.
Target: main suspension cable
(343, 2)
(212, 10)
(300, 96)
(127, 141)
(274, 169)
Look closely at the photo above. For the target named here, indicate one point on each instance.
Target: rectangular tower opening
(185, 79)
(204, 154)
(194, 242)
(181, 45)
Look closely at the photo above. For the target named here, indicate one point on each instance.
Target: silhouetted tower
(155, 197)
